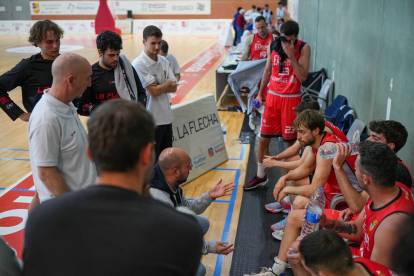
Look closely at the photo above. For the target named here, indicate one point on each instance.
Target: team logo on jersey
(10, 105)
(270, 41)
(406, 195)
(210, 152)
(373, 224)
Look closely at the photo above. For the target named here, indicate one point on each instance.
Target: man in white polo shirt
(158, 80)
(57, 138)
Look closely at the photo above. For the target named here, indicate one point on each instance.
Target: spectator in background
(108, 81)
(57, 138)
(249, 13)
(254, 16)
(268, 15)
(250, 26)
(279, 23)
(281, 12)
(172, 61)
(241, 25)
(158, 80)
(234, 23)
(114, 227)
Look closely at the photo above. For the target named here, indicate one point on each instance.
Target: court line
(16, 149)
(215, 201)
(226, 230)
(202, 52)
(14, 159)
(241, 153)
(15, 184)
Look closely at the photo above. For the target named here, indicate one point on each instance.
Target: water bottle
(224, 131)
(313, 216)
(256, 104)
(329, 151)
(231, 57)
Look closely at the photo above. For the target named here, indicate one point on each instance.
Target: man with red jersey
(326, 253)
(287, 66)
(256, 48)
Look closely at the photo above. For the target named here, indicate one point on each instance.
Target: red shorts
(334, 214)
(278, 117)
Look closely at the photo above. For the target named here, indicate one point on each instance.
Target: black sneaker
(256, 182)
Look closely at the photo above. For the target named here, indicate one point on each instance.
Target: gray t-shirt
(57, 138)
(150, 71)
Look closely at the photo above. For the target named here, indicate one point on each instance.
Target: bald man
(57, 138)
(172, 169)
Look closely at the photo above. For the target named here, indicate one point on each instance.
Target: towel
(125, 91)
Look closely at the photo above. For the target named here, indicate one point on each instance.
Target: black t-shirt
(102, 89)
(404, 175)
(106, 230)
(33, 75)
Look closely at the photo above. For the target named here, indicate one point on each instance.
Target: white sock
(279, 267)
(260, 170)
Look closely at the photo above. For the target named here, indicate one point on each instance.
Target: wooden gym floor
(223, 215)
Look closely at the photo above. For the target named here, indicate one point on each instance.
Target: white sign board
(197, 130)
(121, 7)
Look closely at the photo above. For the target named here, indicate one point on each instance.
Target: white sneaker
(278, 234)
(252, 120)
(265, 272)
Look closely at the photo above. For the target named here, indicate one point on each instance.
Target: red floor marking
(194, 70)
(13, 215)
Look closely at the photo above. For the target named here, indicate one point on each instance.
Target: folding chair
(332, 111)
(355, 131)
(316, 87)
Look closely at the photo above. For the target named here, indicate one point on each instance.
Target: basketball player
(287, 66)
(33, 74)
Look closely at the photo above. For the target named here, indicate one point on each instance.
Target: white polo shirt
(150, 71)
(57, 138)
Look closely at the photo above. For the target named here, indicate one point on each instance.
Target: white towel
(120, 83)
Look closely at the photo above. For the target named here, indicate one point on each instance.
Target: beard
(309, 142)
(108, 65)
(182, 179)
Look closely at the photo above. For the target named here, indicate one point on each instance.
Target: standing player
(256, 48)
(287, 66)
(32, 74)
(175, 67)
(108, 81)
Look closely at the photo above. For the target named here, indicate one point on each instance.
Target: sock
(278, 267)
(260, 170)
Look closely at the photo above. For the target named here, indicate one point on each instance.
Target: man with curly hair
(32, 74)
(112, 76)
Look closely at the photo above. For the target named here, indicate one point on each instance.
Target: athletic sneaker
(256, 182)
(280, 225)
(265, 272)
(278, 234)
(276, 207)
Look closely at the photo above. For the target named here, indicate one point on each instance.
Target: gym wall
(220, 9)
(366, 47)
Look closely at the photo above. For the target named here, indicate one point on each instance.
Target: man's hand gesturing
(219, 190)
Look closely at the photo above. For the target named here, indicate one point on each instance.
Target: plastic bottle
(256, 104)
(329, 151)
(313, 216)
(224, 131)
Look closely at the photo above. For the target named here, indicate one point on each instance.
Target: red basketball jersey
(286, 82)
(258, 49)
(403, 203)
(374, 268)
(336, 131)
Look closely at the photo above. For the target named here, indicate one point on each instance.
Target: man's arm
(301, 66)
(170, 75)
(322, 172)
(349, 230)
(9, 81)
(248, 44)
(386, 237)
(156, 90)
(355, 200)
(290, 151)
(199, 204)
(177, 77)
(53, 180)
(84, 102)
(270, 162)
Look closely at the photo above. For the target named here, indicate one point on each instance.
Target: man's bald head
(171, 158)
(69, 64)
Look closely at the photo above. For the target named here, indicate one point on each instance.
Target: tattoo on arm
(342, 227)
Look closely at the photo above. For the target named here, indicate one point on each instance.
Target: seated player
(326, 253)
(390, 202)
(310, 125)
(172, 169)
(295, 155)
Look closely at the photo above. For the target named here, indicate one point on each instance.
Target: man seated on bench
(390, 201)
(295, 155)
(299, 183)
